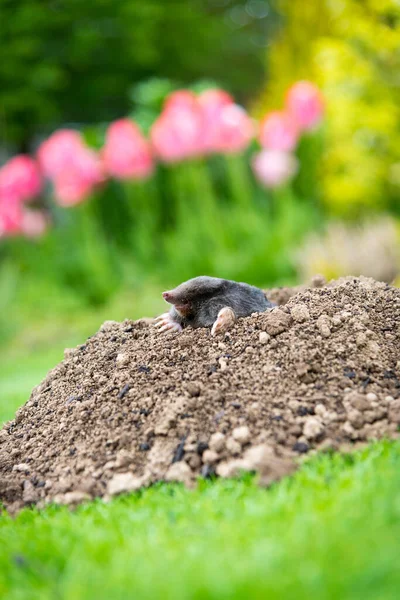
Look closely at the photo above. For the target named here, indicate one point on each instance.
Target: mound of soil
(132, 406)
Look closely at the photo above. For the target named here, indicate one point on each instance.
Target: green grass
(332, 531)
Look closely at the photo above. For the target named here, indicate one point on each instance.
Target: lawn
(331, 531)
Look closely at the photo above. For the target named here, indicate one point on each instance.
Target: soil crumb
(130, 407)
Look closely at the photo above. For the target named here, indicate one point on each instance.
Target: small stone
(223, 365)
(123, 458)
(241, 434)
(122, 360)
(71, 498)
(179, 471)
(165, 425)
(21, 468)
(217, 442)
(210, 457)
(300, 313)
(264, 338)
(361, 339)
(122, 483)
(258, 456)
(263, 459)
(371, 397)
(394, 412)
(29, 494)
(357, 400)
(276, 321)
(312, 428)
(348, 429)
(355, 418)
(301, 447)
(233, 446)
(193, 389)
(323, 324)
(373, 349)
(232, 468)
(320, 410)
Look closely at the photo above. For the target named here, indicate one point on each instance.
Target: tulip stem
(97, 268)
(241, 186)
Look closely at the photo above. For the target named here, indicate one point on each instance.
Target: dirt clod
(131, 407)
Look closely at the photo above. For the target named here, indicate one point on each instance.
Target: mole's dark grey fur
(198, 301)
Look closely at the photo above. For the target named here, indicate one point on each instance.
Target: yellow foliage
(351, 49)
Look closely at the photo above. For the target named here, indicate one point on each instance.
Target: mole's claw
(226, 318)
(161, 317)
(165, 323)
(170, 327)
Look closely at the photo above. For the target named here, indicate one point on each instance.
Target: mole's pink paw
(166, 323)
(226, 318)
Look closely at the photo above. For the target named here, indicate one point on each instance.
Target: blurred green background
(83, 65)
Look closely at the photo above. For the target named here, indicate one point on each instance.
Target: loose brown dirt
(131, 407)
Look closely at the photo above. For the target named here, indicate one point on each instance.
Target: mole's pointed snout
(167, 296)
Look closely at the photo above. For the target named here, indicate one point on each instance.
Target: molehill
(131, 407)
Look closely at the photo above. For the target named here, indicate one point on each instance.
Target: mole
(210, 301)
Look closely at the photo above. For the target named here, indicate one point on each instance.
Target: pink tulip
(17, 220)
(59, 151)
(274, 167)
(305, 103)
(279, 131)
(20, 179)
(10, 218)
(233, 130)
(211, 103)
(176, 134)
(87, 166)
(127, 153)
(213, 99)
(180, 100)
(73, 167)
(71, 188)
(34, 223)
(76, 182)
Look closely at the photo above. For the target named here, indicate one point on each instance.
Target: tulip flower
(127, 153)
(176, 135)
(211, 103)
(181, 100)
(74, 169)
(279, 131)
(75, 184)
(58, 152)
(232, 131)
(273, 168)
(10, 218)
(20, 179)
(305, 104)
